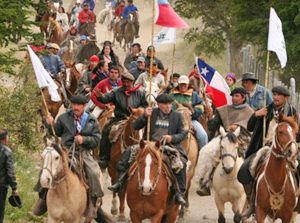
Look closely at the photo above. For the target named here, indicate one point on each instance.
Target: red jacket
(85, 17)
(104, 86)
(119, 11)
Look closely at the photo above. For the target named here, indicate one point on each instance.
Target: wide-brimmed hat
(78, 99)
(15, 201)
(164, 98)
(281, 90)
(249, 76)
(127, 76)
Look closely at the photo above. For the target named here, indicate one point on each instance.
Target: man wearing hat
(158, 80)
(85, 17)
(133, 55)
(52, 62)
(151, 50)
(125, 97)
(173, 82)
(88, 50)
(256, 92)
(229, 117)
(280, 105)
(165, 125)
(7, 172)
(79, 128)
(140, 67)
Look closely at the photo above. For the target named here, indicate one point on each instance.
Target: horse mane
(291, 120)
(232, 137)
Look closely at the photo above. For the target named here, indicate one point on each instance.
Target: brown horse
(191, 147)
(275, 195)
(117, 31)
(106, 115)
(129, 30)
(44, 22)
(148, 187)
(128, 137)
(56, 34)
(67, 194)
(71, 79)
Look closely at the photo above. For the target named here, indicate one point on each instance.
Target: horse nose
(45, 182)
(227, 170)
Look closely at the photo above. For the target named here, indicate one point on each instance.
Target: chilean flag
(166, 16)
(216, 85)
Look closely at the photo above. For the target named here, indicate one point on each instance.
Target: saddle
(116, 130)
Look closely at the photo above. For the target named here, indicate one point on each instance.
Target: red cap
(94, 58)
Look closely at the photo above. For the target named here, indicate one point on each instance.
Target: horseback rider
(135, 52)
(87, 50)
(105, 86)
(166, 125)
(118, 12)
(7, 172)
(100, 73)
(151, 50)
(184, 95)
(255, 91)
(130, 8)
(173, 82)
(63, 19)
(123, 98)
(280, 105)
(85, 17)
(79, 131)
(52, 62)
(91, 4)
(230, 117)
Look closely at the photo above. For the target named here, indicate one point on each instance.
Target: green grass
(27, 173)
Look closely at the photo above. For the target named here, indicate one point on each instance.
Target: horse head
(149, 165)
(284, 141)
(229, 149)
(186, 111)
(155, 91)
(72, 76)
(54, 164)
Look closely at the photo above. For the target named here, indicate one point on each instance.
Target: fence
(251, 64)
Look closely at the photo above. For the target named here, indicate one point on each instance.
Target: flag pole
(265, 97)
(150, 70)
(173, 58)
(47, 110)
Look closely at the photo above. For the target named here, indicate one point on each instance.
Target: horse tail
(103, 217)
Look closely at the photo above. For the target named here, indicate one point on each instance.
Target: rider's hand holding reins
(98, 93)
(79, 139)
(167, 138)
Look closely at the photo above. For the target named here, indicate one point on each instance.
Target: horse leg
(220, 207)
(134, 216)
(181, 215)
(237, 208)
(260, 214)
(114, 209)
(122, 205)
(157, 218)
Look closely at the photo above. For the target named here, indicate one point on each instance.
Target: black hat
(78, 99)
(249, 76)
(281, 90)
(127, 76)
(3, 134)
(164, 98)
(15, 201)
(176, 75)
(151, 47)
(238, 90)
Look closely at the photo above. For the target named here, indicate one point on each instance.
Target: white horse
(225, 184)
(106, 16)
(155, 91)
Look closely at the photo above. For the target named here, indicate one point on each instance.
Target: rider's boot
(93, 205)
(117, 187)
(251, 194)
(40, 207)
(180, 187)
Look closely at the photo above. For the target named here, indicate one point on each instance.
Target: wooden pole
(173, 58)
(47, 110)
(265, 97)
(151, 71)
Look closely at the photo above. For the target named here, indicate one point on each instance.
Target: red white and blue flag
(216, 85)
(166, 16)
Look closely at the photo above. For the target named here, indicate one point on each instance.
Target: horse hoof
(122, 218)
(114, 211)
(221, 218)
(237, 218)
(187, 210)
(180, 220)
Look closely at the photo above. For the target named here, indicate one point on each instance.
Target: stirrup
(203, 191)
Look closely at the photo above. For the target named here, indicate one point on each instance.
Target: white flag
(43, 77)
(166, 35)
(276, 41)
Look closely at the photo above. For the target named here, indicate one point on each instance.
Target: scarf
(134, 89)
(241, 106)
(80, 122)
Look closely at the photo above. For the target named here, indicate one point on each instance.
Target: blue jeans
(201, 134)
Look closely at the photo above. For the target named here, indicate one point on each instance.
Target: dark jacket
(86, 52)
(65, 128)
(97, 77)
(123, 102)
(7, 169)
(255, 124)
(159, 63)
(175, 127)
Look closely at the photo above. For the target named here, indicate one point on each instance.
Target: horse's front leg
(122, 194)
(237, 208)
(220, 207)
(260, 214)
(158, 217)
(114, 209)
(135, 218)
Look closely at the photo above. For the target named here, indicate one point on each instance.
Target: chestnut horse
(71, 79)
(275, 195)
(128, 137)
(191, 147)
(148, 188)
(56, 34)
(105, 115)
(67, 194)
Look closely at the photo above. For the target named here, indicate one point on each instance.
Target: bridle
(223, 155)
(56, 179)
(134, 133)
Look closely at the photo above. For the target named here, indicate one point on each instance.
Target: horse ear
(130, 110)
(142, 144)
(237, 131)
(222, 131)
(157, 144)
(47, 141)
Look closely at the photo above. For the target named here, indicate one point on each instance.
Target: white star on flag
(204, 71)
